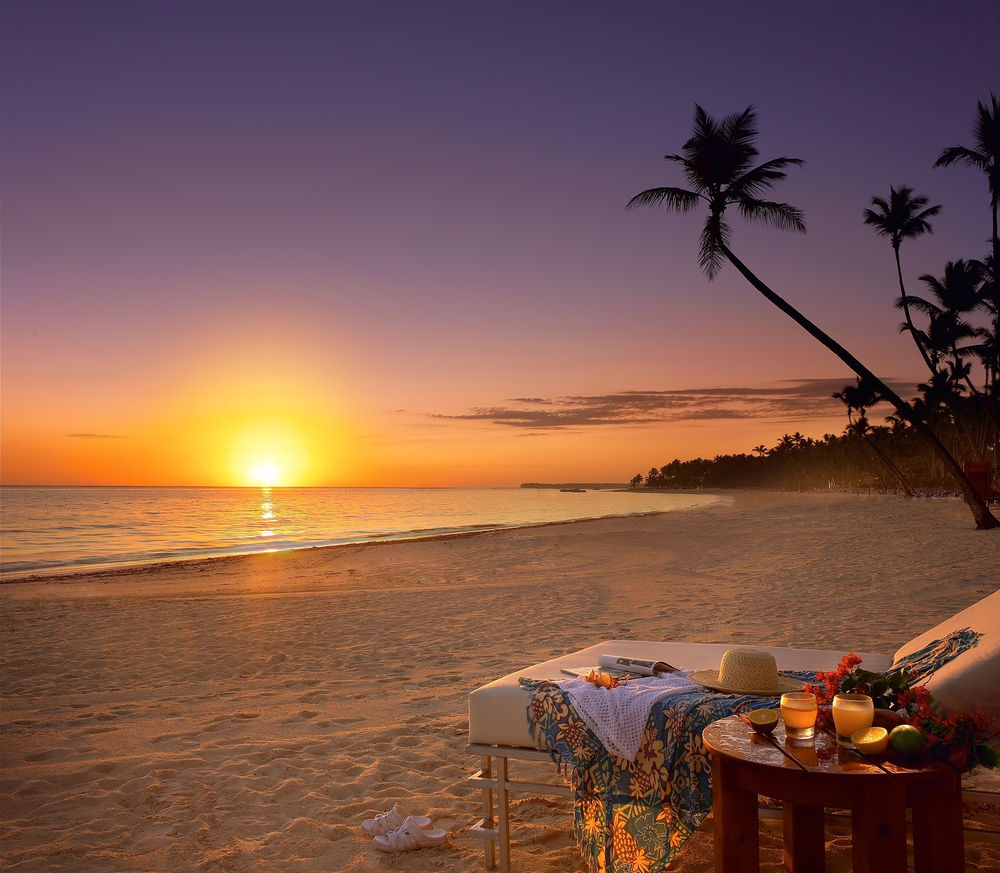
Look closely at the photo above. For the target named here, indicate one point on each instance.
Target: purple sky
(388, 218)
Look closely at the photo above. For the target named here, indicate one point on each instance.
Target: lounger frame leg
(503, 816)
(487, 771)
(497, 784)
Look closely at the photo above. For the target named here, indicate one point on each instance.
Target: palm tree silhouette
(985, 156)
(956, 294)
(902, 216)
(718, 163)
(859, 397)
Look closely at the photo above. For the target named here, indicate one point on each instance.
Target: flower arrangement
(955, 736)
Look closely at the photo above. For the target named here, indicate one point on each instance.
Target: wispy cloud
(790, 401)
(94, 436)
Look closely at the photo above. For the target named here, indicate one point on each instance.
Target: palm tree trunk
(907, 488)
(996, 239)
(980, 511)
(906, 312)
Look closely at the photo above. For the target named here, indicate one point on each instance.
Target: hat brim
(710, 679)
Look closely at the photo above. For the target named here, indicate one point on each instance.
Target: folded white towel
(618, 716)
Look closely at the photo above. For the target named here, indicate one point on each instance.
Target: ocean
(46, 530)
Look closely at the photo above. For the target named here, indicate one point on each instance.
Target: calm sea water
(46, 530)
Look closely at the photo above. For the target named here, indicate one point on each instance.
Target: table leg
(938, 835)
(734, 809)
(879, 829)
(804, 850)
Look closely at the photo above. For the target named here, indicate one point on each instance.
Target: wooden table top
(735, 740)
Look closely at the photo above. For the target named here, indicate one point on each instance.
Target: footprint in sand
(46, 755)
(34, 786)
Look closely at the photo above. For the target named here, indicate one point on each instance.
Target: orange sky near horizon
(363, 245)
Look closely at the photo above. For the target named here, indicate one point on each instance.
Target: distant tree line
(884, 458)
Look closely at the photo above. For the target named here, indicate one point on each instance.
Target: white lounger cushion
(973, 678)
(498, 711)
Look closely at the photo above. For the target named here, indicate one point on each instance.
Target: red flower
(950, 735)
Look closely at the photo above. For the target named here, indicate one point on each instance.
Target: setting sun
(266, 475)
(271, 452)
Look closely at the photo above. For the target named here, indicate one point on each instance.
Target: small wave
(47, 538)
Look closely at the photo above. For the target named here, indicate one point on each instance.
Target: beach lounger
(499, 733)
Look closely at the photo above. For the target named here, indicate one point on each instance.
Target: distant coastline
(593, 486)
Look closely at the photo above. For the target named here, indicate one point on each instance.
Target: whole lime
(906, 740)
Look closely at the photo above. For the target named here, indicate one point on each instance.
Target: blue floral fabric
(922, 664)
(634, 816)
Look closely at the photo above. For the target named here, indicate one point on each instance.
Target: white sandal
(386, 822)
(409, 836)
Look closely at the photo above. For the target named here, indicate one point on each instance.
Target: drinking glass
(798, 712)
(851, 712)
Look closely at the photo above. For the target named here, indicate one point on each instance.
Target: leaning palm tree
(718, 163)
(985, 156)
(902, 216)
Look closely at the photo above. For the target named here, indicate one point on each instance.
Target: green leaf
(987, 757)
(898, 680)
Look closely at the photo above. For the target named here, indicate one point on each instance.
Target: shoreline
(68, 574)
(247, 713)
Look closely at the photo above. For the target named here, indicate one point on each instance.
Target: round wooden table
(807, 778)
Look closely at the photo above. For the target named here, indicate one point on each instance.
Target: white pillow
(969, 679)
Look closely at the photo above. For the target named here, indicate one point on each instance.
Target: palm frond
(762, 178)
(987, 128)
(782, 216)
(739, 130)
(961, 155)
(715, 234)
(879, 220)
(920, 305)
(704, 125)
(677, 199)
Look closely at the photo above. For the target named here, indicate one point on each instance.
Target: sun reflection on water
(266, 512)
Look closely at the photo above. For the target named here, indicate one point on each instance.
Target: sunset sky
(368, 243)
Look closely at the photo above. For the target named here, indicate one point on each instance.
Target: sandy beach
(245, 714)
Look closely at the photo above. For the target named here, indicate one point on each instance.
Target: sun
(266, 474)
(269, 453)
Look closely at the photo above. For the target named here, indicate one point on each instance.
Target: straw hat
(746, 671)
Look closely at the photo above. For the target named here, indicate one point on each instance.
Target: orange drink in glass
(798, 712)
(851, 712)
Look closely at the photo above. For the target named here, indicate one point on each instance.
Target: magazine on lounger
(616, 665)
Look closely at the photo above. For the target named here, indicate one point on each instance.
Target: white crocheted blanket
(618, 716)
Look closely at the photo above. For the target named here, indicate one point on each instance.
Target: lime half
(871, 740)
(763, 720)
